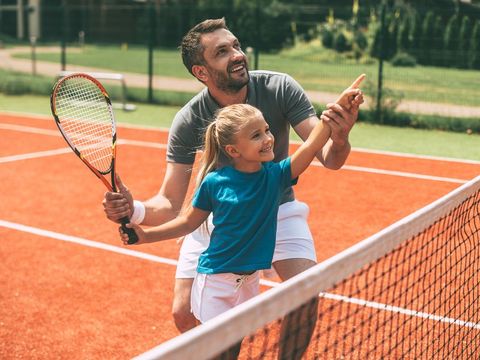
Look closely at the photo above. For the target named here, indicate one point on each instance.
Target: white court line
(142, 143)
(34, 155)
(399, 310)
(29, 115)
(415, 156)
(396, 173)
(403, 173)
(354, 149)
(162, 260)
(33, 116)
(315, 163)
(66, 150)
(85, 242)
(34, 130)
(29, 129)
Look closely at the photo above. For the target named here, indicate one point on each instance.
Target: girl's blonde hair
(221, 132)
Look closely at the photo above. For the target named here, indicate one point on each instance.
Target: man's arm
(167, 204)
(336, 150)
(340, 116)
(159, 209)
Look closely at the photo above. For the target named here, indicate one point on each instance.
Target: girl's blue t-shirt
(244, 207)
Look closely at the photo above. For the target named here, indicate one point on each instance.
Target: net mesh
(86, 120)
(410, 292)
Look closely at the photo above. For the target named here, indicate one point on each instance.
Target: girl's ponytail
(209, 159)
(208, 162)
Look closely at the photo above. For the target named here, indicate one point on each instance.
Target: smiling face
(225, 64)
(253, 145)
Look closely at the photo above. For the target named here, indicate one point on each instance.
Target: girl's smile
(253, 145)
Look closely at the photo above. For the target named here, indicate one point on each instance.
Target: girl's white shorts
(213, 294)
(294, 240)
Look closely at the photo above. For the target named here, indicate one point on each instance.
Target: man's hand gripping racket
(83, 114)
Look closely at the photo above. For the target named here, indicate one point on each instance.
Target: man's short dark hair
(191, 46)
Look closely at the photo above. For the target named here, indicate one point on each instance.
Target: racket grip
(132, 235)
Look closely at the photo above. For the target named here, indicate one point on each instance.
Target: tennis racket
(83, 114)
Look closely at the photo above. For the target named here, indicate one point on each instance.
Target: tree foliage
(452, 33)
(464, 42)
(426, 40)
(474, 49)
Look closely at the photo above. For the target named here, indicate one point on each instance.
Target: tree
(415, 36)
(437, 47)
(426, 43)
(392, 34)
(452, 33)
(262, 24)
(474, 50)
(403, 37)
(341, 43)
(376, 47)
(464, 42)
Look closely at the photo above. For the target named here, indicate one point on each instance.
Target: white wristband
(138, 212)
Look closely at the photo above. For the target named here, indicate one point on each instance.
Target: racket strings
(87, 121)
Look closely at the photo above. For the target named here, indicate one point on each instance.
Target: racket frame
(111, 186)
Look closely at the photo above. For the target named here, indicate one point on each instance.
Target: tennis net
(412, 291)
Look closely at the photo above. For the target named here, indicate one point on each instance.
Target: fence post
(383, 29)
(258, 37)
(33, 42)
(63, 42)
(151, 46)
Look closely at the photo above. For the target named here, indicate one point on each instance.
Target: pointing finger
(358, 81)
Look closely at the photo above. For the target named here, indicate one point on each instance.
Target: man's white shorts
(294, 240)
(214, 294)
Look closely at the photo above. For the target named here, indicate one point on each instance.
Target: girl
(244, 198)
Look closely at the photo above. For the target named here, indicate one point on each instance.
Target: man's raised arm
(340, 116)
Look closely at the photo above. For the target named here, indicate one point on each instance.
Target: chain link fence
(421, 58)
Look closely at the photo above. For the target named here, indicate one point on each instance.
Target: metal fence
(418, 59)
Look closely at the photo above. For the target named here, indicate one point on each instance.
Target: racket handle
(132, 235)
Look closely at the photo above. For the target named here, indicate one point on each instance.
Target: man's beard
(226, 83)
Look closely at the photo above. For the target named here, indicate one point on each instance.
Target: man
(213, 55)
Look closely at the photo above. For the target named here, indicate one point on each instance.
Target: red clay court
(69, 288)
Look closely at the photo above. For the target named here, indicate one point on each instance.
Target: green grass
(416, 141)
(369, 136)
(130, 59)
(312, 66)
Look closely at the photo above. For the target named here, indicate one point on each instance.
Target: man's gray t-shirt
(279, 97)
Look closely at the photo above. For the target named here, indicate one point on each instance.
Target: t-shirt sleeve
(297, 105)
(202, 199)
(182, 141)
